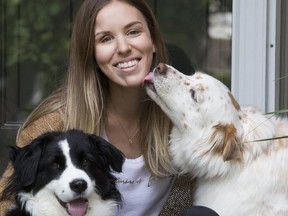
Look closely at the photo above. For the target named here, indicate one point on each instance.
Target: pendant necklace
(130, 139)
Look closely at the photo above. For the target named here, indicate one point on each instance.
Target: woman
(114, 44)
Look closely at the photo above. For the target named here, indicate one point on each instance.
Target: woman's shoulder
(50, 122)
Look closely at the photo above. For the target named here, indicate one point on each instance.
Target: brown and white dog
(217, 141)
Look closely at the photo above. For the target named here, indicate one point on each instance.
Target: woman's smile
(128, 64)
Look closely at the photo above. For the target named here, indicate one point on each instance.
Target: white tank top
(141, 194)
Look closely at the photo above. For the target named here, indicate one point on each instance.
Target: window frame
(255, 53)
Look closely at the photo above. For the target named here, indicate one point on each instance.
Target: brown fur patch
(200, 87)
(234, 102)
(226, 142)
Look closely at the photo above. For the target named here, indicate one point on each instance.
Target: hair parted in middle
(82, 98)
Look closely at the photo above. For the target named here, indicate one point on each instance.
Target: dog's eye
(193, 94)
(55, 166)
(86, 162)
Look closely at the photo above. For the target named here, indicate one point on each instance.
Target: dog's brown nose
(162, 68)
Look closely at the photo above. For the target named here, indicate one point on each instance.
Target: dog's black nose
(162, 68)
(78, 185)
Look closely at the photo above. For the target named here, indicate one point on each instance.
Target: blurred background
(34, 45)
(35, 38)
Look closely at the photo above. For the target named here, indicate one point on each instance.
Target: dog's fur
(61, 172)
(217, 141)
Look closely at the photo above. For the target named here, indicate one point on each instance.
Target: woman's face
(124, 48)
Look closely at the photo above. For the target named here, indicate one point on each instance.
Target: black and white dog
(65, 173)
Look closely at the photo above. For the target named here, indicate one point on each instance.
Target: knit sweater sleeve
(47, 123)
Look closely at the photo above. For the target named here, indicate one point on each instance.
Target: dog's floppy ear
(25, 163)
(25, 160)
(226, 142)
(113, 156)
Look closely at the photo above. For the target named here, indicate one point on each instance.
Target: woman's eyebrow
(132, 24)
(101, 33)
(125, 27)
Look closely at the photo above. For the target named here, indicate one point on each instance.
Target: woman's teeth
(127, 64)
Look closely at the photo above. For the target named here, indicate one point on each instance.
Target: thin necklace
(130, 139)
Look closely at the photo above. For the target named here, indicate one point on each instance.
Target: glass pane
(34, 43)
(203, 30)
(38, 34)
(37, 37)
(283, 76)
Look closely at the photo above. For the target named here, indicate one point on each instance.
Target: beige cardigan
(179, 199)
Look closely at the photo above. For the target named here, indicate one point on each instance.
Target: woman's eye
(134, 32)
(106, 39)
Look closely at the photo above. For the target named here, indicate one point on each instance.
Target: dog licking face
(197, 105)
(65, 173)
(240, 170)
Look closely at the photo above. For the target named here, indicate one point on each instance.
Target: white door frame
(254, 56)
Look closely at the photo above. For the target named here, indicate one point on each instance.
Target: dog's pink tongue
(77, 207)
(150, 77)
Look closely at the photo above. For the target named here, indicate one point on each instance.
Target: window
(34, 44)
(202, 30)
(282, 76)
(259, 50)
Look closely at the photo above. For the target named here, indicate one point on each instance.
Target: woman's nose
(123, 45)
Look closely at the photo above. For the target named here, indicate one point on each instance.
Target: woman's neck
(122, 120)
(126, 102)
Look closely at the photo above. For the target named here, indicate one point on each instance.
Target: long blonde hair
(81, 99)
